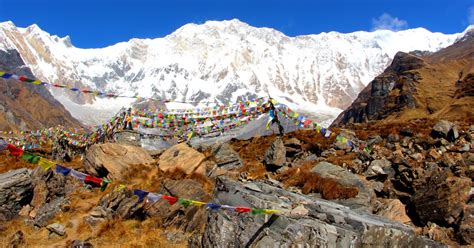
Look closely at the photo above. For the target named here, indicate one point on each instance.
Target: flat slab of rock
(57, 228)
(226, 157)
(113, 160)
(318, 223)
(183, 157)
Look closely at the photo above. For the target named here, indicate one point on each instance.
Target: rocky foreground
(412, 188)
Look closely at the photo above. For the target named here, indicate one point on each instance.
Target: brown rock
(442, 198)
(466, 227)
(182, 157)
(25, 211)
(437, 233)
(113, 160)
(394, 209)
(434, 154)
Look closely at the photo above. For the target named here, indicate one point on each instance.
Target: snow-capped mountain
(220, 61)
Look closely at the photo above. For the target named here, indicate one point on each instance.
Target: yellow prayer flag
(120, 188)
(271, 211)
(197, 203)
(2, 73)
(45, 164)
(37, 82)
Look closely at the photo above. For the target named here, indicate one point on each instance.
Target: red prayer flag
(14, 151)
(93, 180)
(22, 78)
(243, 210)
(170, 199)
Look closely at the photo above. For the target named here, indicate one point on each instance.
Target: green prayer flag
(256, 211)
(184, 202)
(31, 158)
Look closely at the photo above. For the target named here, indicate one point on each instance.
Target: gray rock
(318, 223)
(374, 140)
(379, 167)
(293, 146)
(275, 156)
(417, 156)
(47, 211)
(128, 137)
(445, 129)
(80, 244)
(16, 190)
(226, 157)
(57, 228)
(393, 138)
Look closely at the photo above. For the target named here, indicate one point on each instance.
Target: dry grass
(310, 182)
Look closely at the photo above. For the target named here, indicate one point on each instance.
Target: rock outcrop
(437, 85)
(304, 221)
(16, 190)
(113, 160)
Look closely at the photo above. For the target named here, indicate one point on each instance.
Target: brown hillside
(24, 106)
(437, 86)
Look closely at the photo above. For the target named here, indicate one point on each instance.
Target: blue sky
(98, 23)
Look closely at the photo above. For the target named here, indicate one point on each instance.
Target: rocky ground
(413, 189)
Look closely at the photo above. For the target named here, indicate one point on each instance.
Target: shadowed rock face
(313, 223)
(16, 190)
(437, 85)
(376, 101)
(26, 106)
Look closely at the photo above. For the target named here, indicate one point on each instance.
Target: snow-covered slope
(220, 61)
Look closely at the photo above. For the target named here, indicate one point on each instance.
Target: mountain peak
(7, 25)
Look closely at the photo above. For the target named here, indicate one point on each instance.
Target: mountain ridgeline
(219, 61)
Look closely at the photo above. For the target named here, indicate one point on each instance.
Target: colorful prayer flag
(63, 170)
(153, 197)
(213, 206)
(141, 194)
(184, 202)
(120, 188)
(104, 184)
(45, 164)
(14, 151)
(170, 199)
(93, 180)
(31, 158)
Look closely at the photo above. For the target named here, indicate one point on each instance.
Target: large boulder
(347, 179)
(114, 160)
(184, 158)
(303, 222)
(275, 156)
(16, 190)
(441, 199)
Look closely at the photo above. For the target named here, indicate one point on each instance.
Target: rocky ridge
(414, 188)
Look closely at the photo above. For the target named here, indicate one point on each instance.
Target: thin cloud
(386, 21)
(470, 15)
